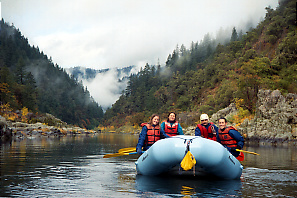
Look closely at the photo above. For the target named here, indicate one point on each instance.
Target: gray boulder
(5, 131)
(275, 117)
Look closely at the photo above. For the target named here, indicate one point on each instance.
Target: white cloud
(118, 33)
(105, 88)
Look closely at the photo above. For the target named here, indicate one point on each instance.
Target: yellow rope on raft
(188, 162)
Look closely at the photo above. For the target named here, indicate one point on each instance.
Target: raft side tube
(216, 159)
(161, 157)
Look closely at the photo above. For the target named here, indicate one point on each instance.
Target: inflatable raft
(211, 157)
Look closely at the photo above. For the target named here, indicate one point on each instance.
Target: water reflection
(188, 185)
(274, 158)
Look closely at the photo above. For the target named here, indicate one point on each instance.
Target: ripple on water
(271, 183)
(273, 175)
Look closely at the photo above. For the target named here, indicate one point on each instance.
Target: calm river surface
(75, 167)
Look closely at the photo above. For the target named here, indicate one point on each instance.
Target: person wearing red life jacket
(171, 126)
(149, 134)
(206, 129)
(230, 137)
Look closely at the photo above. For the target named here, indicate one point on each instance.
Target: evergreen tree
(30, 92)
(20, 71)
(234, 35)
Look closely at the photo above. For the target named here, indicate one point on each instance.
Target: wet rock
(294, 132)
(35, 132)
(5, 131)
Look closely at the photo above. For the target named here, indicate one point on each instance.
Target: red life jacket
(226, 139)
(171, 130)
(207, 133)
(152, 134)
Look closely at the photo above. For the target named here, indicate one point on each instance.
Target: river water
(75, 167)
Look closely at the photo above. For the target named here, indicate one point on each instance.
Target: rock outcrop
(275, 117)
(226, 113)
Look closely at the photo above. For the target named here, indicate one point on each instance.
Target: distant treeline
(88, 73)
(209, 76)
(28, 78)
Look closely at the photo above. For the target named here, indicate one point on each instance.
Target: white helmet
(204, 117)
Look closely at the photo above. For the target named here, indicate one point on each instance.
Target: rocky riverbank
(19, 130)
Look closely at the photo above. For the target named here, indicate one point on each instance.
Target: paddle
(121, 152)
(118, 154)
(247, 152)
(127, 150)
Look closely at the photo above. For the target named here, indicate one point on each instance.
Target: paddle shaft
(118, 154)
(247, 152)
(127, 150)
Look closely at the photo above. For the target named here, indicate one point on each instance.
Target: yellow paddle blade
(127, 150)
(247, 152)
(114, 155)
(188, 162)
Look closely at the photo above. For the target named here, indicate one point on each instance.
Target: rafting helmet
(204, 117)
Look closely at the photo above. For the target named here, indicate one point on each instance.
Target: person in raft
(230, 137)
(171, 126)
(206, 129)
(150, 134)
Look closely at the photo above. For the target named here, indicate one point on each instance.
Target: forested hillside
(209, 76)
(30, 80)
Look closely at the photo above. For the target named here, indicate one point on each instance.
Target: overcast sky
(118, 33)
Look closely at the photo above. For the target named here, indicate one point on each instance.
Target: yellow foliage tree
(242, 113)
(25, 112)
(7, 112)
